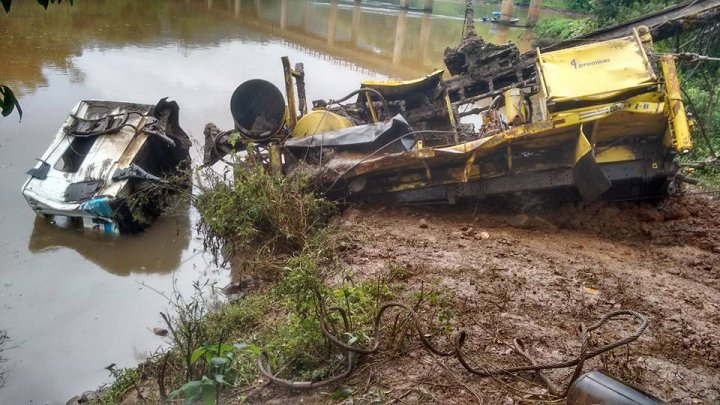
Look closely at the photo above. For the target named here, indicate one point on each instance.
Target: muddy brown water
(72, 302)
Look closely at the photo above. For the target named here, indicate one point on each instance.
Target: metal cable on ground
(263, 364)
(458, 344)
(460, 340)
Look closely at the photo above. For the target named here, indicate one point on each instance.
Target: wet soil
(536, 276)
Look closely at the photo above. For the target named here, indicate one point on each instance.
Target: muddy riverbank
(536, 276)
(75, 303)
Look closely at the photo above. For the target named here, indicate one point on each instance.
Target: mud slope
(536, 277)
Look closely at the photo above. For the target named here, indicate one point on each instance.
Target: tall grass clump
(258, 215)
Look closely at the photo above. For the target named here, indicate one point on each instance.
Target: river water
(72, 302)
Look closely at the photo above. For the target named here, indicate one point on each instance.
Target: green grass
(125, 380)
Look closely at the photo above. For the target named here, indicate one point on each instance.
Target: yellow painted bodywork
(615, 154)
(641, 115)
(319, 121)
(582, 146)
(599, 104)
(393, 88)
(595, 71)
(678, 119)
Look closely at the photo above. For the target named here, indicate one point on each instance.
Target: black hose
(364, 90)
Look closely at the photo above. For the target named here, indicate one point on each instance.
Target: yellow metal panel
(582, 147)
(641, 115)
(373, 115)
(678, 119)
(590, 180)
(391, 88)
(595, 71)
(319, 121)
(614, 154)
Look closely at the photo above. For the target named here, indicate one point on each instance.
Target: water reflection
(376, 35)
(75, 318)
(380, 31)
(157, 250)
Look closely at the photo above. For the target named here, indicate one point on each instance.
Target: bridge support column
(399, 37)
(283, 14)
(405, 4)
(355, 32)
(332, 22)
(534, 12)
(506, 10)
(425, 36)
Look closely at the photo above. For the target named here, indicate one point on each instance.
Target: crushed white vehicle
(111, 167)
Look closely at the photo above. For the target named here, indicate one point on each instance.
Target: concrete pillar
(210, 4)
(238, 6)
(526, 40)
(534, 12)
(404, 4)
(357, 12)
(332, 23)
(425, 36)
(502, 34)
(506, 10)
(304, 15)
(399, 37)
(283, 14)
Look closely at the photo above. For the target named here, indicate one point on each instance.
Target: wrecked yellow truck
(600, 120)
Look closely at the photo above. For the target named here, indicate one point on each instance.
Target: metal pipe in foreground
(596, 388)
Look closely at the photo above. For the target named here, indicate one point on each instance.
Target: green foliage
(604, 13)
(203, 389)
(558, 29)
(260, 211)
(125, 380)
(617, 11)
(440, 301)
(702, 97)
(341, 394)
(579, 5)
(217, 358)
